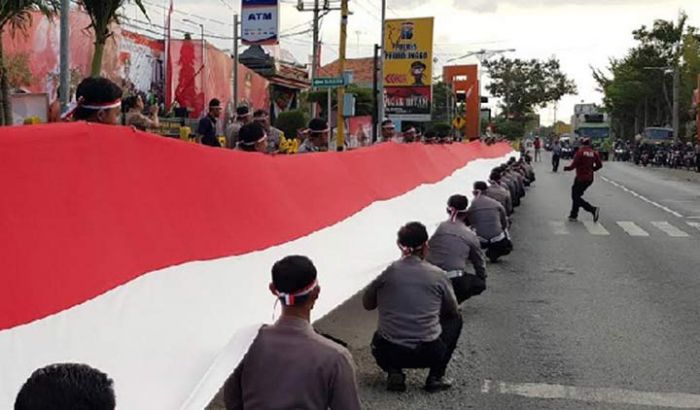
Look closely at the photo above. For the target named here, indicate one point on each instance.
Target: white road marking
(594, 395)
(595, 228)
(632, 229)
(670, 230)
(694, 224)
(559, 227)
(642, 197)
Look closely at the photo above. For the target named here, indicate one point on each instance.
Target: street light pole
(340, 140)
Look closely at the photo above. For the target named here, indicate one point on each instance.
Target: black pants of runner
(435, 355)
(555, 163)
(577, 191)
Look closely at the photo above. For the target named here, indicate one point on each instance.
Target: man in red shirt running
(586, 162)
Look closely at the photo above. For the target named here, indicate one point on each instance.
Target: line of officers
(291, 366)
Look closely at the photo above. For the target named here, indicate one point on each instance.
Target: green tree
(440, 92)
(16, 17)
(103, 13)
(363, 99)
(525, 85)
(290, 122)
(638, 87)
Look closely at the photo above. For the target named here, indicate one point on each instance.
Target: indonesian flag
(149, 258)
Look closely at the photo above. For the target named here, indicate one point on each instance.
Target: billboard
(259, 22)
(408, 68)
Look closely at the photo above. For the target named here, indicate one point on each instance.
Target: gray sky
(580, 33)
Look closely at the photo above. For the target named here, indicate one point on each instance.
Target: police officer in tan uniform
(289, 366)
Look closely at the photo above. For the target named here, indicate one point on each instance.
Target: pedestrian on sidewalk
(556, 155)
(419, 320)
(586, 162)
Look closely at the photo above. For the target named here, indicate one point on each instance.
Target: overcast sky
(580, 33)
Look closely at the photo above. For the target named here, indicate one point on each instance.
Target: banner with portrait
(408, 68)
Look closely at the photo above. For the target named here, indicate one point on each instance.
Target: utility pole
(314, 58)
(236, 30)
(375, 93)
(381, 67)
(65, 55)
(316, 8)
(340, 140)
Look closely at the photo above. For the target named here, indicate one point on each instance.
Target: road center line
(593, 394)
(642, 197)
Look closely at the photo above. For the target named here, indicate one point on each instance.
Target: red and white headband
(290, 299)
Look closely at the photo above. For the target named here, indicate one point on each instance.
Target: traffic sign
(328, 82)
(459, 123)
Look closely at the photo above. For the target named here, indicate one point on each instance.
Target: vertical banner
(408, 69)
(259, 22)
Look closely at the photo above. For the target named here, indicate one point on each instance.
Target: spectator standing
(206, 130)
(556, 155)
(538, 149)
(134, 114)
(289, 365)
(243, 117)
(274, 135)
(316, 136)
(388, 131)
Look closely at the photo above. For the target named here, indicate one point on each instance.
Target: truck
(589, 121)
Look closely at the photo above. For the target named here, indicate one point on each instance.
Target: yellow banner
(408, 60)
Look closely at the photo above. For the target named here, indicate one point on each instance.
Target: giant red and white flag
(149, 258)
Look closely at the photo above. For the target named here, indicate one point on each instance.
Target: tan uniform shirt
(289, 366)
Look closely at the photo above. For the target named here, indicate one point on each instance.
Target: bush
(291, 121)
(442, 129)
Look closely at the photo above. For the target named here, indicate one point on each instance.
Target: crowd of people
(418, 298)
(100, 100)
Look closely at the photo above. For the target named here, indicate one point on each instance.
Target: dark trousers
(577, 191)
(467, 285)
(555, 163)
(697, 162)
(497, 249)
(435, 355)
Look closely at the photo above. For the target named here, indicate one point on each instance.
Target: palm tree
(102, 14)
(16, 15)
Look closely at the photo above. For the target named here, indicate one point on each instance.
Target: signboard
(459, 123)
(408, 68)
(259, 22)
(328, 82)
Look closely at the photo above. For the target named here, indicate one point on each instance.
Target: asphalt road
(580, 316)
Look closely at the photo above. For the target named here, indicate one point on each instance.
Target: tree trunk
(6, 112)
(96, 69)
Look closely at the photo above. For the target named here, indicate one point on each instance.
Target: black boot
(435, 384)
(396, 381)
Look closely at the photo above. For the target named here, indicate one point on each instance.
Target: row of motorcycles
(670, 156)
